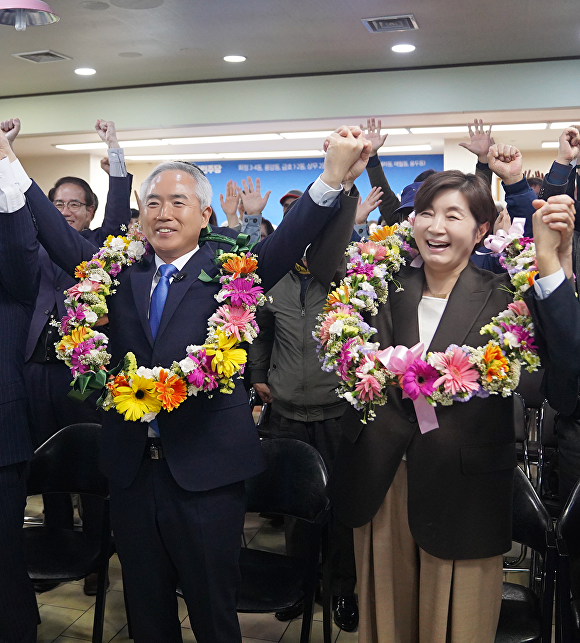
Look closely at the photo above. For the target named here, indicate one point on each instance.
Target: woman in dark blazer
(432, 512)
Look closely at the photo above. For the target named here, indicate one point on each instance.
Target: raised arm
(560, 178)
(479, 143)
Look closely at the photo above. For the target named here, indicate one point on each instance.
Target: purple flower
(241, 291)
(523, 336)
(115, 269)
(344, 360)
(358, 268)
(419, 379)
(76, 315)
(80, 350)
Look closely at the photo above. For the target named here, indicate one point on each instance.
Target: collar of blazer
(466, 302)
(142, 275)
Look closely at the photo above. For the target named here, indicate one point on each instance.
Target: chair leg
(310, 580)
(129, 629)
(326, 597)
(100, 602)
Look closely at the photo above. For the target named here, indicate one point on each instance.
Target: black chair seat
(60, 554)
(520, 616)
(270, 582)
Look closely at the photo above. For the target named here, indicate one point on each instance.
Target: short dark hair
(268, 225)
(473, 188)
(424, 175)
(90, 197)
(534, 181)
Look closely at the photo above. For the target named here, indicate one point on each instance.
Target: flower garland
(455, 375)
(139, 393)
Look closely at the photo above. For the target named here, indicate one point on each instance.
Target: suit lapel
(141, 279)
(468, 298)
(202, 259)
(404, 306)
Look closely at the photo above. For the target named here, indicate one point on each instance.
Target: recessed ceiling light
(403, 49)
(234, 59)
(85, 71)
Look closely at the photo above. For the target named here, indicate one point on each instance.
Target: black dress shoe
(91, 582)
(291, 612)
(345, 612)
(44, 586)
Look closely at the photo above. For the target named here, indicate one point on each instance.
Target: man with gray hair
(177, 484)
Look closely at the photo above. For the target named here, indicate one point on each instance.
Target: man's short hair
(203, 189)
(534, 181)
(90, 196)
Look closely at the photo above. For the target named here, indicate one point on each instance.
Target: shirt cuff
(20, 176)
(559, 174)
(323, 194)
(545, 286)
(11, 198)
(374, 161)
(362, 230)
(117, 162)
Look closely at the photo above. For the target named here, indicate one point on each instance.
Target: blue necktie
(167, 270)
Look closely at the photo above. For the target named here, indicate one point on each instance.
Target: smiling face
(446, 232)
(71, 200)
(172, 218)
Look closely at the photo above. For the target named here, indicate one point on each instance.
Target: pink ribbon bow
(498, 242)
(397, 359)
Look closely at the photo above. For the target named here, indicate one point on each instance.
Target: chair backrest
(569, 523)
(520, 425)
(547, 430)
(529, 388)
(530, 520)
(294, 482)
(68, 462)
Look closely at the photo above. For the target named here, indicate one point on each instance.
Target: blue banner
(282, 175)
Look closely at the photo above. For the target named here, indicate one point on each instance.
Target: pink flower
(241, 291)
(344, 361)
(82, 349)
(360, 268)
(519, 308)
(373, 249)
(330, 318)
(233, 318)
(86, 285)
(76, 315)
(419, 379)
(517, 336)
(459, 375)
(367, 386)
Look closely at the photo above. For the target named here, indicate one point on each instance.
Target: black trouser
(324, 436)
(51, 409)
(18, 609)
(167, 536)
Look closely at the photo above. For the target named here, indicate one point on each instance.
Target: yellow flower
(138, 398)
(76, 337)
(495, 362)
(227, 359)
(380, 234)
(338, 296)
(130, 365)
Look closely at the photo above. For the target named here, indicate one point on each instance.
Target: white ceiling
(185, 40)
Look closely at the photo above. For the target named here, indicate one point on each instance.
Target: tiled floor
(67, 614)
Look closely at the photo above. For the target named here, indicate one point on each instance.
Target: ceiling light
(395, 131)
(550, 144)
(440, 130)
(562, 125)
(234, 59)
(403, 49)
(520, 127)
(174, 157)
(85, 71)
(23, 13)
(97, 146)
(235, 138)
(282, 154)
(320, 134)
(405, 148)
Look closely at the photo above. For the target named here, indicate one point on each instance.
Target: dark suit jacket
(208, 442)
(53, 280)
(18, 287)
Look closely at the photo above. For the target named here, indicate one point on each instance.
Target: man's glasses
(73, 206)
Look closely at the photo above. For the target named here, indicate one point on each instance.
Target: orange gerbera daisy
(171, 390)
(120, 380)
(76, 337)
(531, 276)
(338, 296)
(380, 234)
(240, 265)
(496, 363)
(81, 270)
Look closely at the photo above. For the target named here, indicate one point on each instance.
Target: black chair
(548, 446)
(530, 389)
(526, 612)
(568, 540)
(293, 485)
(68, 463)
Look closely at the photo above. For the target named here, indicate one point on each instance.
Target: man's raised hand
(373, 134)
(230, 203)
(553, 224)
(347, 155)
(108, 133)
(5, 148)
(506, 162)
(479, 140)
(254, 202)
(11, 129)
(568, 145)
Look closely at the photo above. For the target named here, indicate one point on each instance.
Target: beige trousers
(408, 596)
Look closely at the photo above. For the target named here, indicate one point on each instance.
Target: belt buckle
(154, 452)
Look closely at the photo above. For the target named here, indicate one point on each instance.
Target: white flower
(136, 249)
(148, 417)
(187, 365)
(336, 328)
(156, 372)
(349, 397)
(91, 317)
(378, 271)
(512, 340)
(117, 244)
(366, 286)
(142, 371)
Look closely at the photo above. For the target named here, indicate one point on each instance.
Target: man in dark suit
(178, 501)
(47, 378)
(18, 288)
